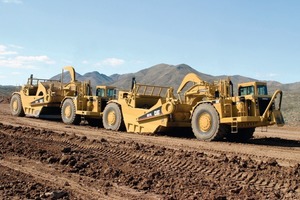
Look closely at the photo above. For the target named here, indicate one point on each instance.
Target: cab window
(262, 90)
(100, 92)
(111, 93)
(249, 90)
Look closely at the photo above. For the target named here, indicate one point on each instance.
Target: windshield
(262, 90)
(111, 92)
(246, 90)
(100, 92)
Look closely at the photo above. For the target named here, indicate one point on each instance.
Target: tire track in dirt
(281, 160)
(239, 175)
(214, 172)
(175, 165)
(45, 138)
(41, 174)
(162, 140)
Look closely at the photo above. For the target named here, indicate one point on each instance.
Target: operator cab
(255, 95)
(253, 88)
(106, 91)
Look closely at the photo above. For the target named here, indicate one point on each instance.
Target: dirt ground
(42, 159)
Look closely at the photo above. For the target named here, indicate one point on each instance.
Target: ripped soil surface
(49, 160)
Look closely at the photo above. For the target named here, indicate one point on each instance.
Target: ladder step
(234, 125)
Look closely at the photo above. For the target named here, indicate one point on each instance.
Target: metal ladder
(234, 125)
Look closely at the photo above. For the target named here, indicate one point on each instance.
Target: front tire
(206, 123)
(112, 117)
(16, 106)
(68, 113)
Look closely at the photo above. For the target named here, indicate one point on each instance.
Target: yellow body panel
(149, 125)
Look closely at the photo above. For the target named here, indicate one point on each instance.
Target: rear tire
(16, 106)
(68, 113)
(206, 123)
(112, 117)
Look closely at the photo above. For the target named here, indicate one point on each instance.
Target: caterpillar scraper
(210, 109)
(70, 101)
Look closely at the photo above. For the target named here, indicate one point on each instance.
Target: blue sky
(254, 38)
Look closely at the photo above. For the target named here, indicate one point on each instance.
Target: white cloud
(4, 51)
(272, 75)
(12, 59)
(29, 59)
(85, 62)
(111, 62)
(13, 1)
(15, 64)
(25, 62)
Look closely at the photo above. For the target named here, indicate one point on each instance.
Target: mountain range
(166, 75)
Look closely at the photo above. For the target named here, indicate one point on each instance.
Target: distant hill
(162, 74)
(95, 77)
(167, 75)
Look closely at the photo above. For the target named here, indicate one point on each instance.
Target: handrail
(272, 99)
(149, 88)
(36, 81)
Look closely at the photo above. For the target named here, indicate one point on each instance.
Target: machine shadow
(274, 141)
(187, 133)
(178, 132)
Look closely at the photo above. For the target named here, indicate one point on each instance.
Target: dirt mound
(61, 165)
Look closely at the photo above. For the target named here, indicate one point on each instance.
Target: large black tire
(243, 135)
(206, 123)
(16, 106)
(112, 117)
(68, 113)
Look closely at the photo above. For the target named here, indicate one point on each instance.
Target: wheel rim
(15, 105)
(67, 111)
(111, 118)
(205, 122)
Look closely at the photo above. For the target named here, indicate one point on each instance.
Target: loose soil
(43, 159)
